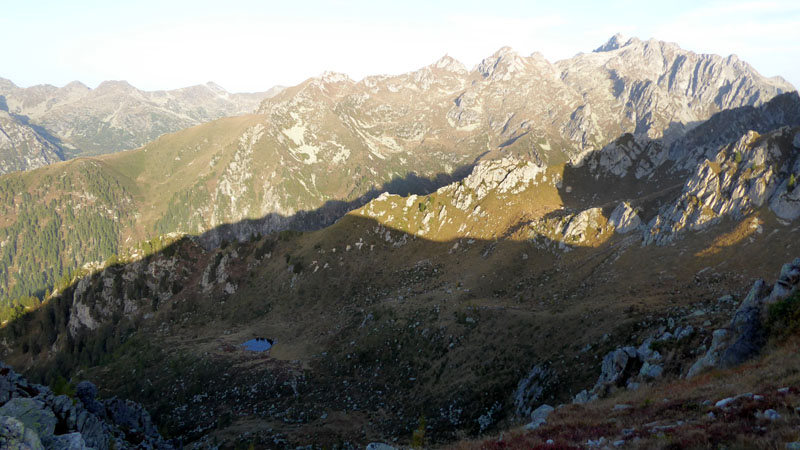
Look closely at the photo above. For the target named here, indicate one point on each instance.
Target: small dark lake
(258, 344)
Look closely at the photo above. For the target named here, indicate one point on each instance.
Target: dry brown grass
(681, 408)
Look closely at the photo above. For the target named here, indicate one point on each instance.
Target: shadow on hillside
(370, 278)
(582, 188)
(330, 211)
(512, 302)
(527, 296)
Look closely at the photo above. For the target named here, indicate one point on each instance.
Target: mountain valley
(433, 258)
(329, 145)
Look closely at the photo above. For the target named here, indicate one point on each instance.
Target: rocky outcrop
(745, 336)
(22, 147)
(33, 417)
(135, 289)
(743, 176)
(638, 155)
(624, 219)
(641, 156)
(786, 200)
(15, 435)
(508, 175)
(628, 367)
(581, 228)
(532, 389)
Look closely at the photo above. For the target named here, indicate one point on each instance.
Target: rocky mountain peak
(617, 41)
(334, 77)
(449, 63)
(502, 64)
(216, 88)
(115, 86)
(76, 85)
(7, 84)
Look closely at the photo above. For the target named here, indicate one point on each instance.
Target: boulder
(532, 389)
(746, 328)
(745, 336)
(651, 371)
(15, 435)
(719, 342)
(539, 417)
(71, 441)
(34, 415)
(584, 396)
(379, 446)
(86, 392)
(624, 219)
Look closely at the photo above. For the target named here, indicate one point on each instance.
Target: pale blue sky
(253, 45)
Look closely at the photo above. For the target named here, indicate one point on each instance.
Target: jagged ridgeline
(328, 145)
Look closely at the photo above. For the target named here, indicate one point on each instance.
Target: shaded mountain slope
(431, 306)
(330, 144)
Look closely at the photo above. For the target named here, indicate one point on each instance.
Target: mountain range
(328, 145)
(75, 120)
(435, 258)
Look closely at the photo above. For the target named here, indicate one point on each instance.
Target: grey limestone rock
(70, 441)
(34, 415)
(34, 412)
(531, 389)
(15, 435)
(745, 335)
(746, 327)
(86, 392)
(584, 396)
(539, 417)
(712, 356)
(379, 446)
(624, 218)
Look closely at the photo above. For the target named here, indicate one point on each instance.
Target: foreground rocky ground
(33, 417)
(744, 392)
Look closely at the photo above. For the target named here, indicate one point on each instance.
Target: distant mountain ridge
(116, 116)
(330, 144)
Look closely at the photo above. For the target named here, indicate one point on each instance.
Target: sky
(250, 45)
